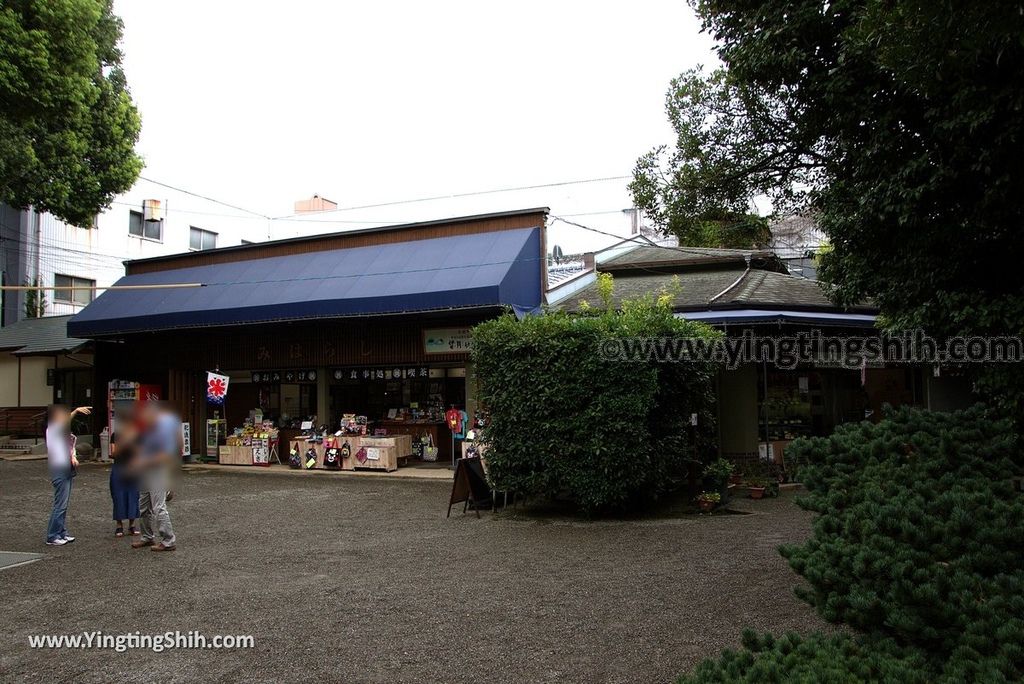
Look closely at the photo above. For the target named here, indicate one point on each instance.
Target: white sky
(262, 103)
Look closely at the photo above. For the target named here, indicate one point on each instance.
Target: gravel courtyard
(360, 579)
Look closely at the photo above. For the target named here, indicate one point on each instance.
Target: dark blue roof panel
(500, 268)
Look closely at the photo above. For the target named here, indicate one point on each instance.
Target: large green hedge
(918, 545)
(567, 421)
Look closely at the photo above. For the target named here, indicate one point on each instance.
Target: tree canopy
(68, 126)
(898, 124)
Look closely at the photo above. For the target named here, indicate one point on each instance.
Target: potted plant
(757, 487)
(717, 475)
(708, 500)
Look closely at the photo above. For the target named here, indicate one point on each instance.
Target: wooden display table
(385, 455)
(234, 455)
(439, 432)
(303, 446)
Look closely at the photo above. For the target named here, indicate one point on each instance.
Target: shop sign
(447, 340)
(286, 376)
(186, 439)
(382, 373)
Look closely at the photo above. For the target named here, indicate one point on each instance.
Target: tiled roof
(697, 289)
(46, 335)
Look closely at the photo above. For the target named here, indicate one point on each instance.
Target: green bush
(566, 420)
(919, 537)
(918, 545)
(816, 659)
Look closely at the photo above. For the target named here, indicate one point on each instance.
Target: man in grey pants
(160, 447)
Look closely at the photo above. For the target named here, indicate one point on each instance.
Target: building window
(76, 296)
(139, 227)
(201, 239)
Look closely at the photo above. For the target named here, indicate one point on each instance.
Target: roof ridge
(749, 284)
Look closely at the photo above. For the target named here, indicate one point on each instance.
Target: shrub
(919, 537)
(716, 473)
(567, 420)
(817, 658)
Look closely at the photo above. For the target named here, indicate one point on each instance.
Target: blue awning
(769, 316)
(494, 269)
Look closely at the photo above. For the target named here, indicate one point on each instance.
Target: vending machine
(123, 395)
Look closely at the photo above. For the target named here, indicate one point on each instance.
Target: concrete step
(28, 446)
(24, 442)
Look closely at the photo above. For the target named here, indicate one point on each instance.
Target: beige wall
(8, 380)
(34, 390)
(737, 410)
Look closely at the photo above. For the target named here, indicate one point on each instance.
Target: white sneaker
(68, 539)
(57, 542)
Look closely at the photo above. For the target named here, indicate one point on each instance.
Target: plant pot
(706, 506)
(757, 492)
(735, 479)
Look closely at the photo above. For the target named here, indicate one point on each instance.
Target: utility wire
(464, 194)
(203, 197)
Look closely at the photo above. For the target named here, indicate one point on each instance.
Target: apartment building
(150, 220)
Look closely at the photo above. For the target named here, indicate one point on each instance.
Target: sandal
(119, 532)
(132, 531)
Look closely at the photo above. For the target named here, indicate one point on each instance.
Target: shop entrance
(402, 401)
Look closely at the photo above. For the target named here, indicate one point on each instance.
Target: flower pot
(757, 492)
(735, 479)
(706, 506)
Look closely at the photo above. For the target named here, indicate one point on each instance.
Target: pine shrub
(816, 659)
(919, 537)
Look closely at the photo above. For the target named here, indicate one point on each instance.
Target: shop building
(370, 323)
(763, 407)
(40, 365)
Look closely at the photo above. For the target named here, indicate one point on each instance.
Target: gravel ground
(364, 580)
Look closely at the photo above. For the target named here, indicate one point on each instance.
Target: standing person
(124, 488)
(61, 462)
(159, 452)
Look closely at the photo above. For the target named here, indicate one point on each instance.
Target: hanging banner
(216, 388)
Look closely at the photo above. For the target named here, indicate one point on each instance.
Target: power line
(643, 240)
(463, 194)
(203, 197)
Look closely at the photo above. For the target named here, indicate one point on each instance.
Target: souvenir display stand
(255, 443)
(364, 452)
(434, 434)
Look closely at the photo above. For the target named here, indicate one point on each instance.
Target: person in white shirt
(60, 457)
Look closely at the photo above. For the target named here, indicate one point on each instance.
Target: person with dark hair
(124, 487)
(61, 461)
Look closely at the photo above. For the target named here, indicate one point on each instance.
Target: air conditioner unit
(152, 210)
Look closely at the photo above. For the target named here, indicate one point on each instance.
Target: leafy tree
(35, 300)
(68, 126)
(899, 124)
